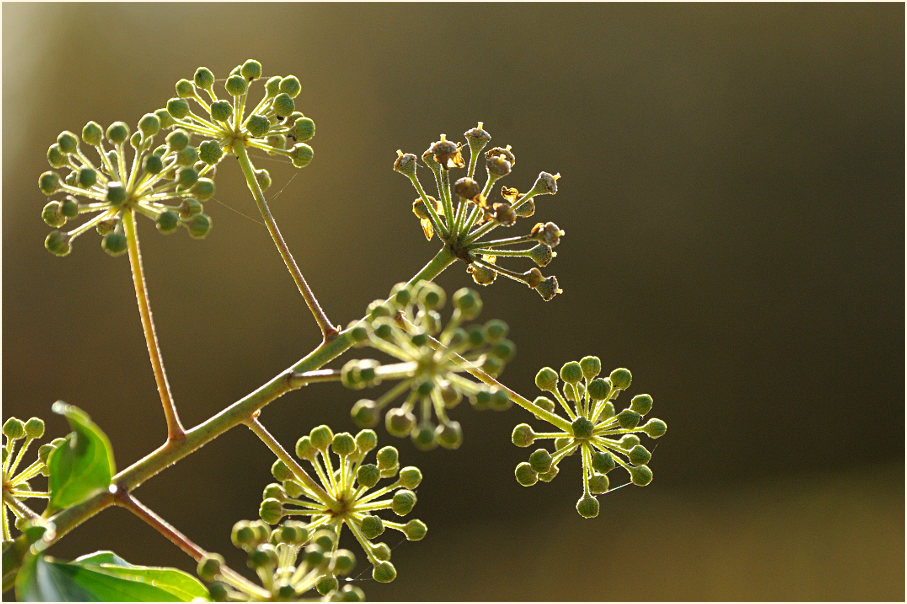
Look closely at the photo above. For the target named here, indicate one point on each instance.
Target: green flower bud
(415, 530)
(14, 429)
(272, 86)
(587, 506)
(496, 330)
(263, 556)
(34, 427)
(639, 455)
(258, 125)
(549, 475)
(403, 502)
(69, 207)
(371, 527)
(366, 440)
(621, 378)
(540, 461)
(344, 562)
(326, 585)
(500, 400)
(314, 556)
(184, 89)
(199, 225)
(591, 366)
(640, 475)
(431, 296)
(281, 471)
(424, 437)
(274, 491)
(571, 372)
(210, 152)
(582, 428)
(114, 243)
(292, 488)
(264, 179)
(290, 85)
(57, 243)
(166, 119)
(343, 444)
(305, 449)
(629, 441)
(410, 477)
(187, 177)
(302, 155)
(149, 125)
(546, 379)
(399, 422)
(52, 214)
(283, 104)
(218, 591)
(607, 411)
(525, 475)
(599, 389)
(167, 221)
(242, 535)
(68, 142)
(449, 435)
(117, 133)
(190, 207)
(153, 164)
(187, 157)
(203, 189)
(503, 350)
(135, 141)
(116, 192)
(384, 572)
(178, 140)
(598, 484)
(562, 443)
(523, 436)
(365, 412)
(236, 85)
(368, 475)
(545, 403)
(92, 133)
(628, 419)
(204, 79)
(251, 70)
(387, 458)
(271, 511)
(209, 567)
(221, 110)
(303, 129)
(641, 403)
(55, 157)
(49, 182)
(382, 551)
(655, 428)
(321, 437)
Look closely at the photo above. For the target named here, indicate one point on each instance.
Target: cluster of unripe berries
(344, 493)
(463, 212)
(273, 125)
(292, 562)
(166, 183)
(604, 437)
(433, 360)
(15, 479)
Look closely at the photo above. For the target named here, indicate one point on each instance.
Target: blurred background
(733, 197)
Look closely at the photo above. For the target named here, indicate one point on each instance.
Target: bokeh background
(733, 197)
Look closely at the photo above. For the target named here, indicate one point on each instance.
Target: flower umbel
(167, 183)
(293, 564)
(463, 213)
(16, 488)
(343, 493)
(408, 327)
(605, 439)
(272, 125)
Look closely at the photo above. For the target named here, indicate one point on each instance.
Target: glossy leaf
(81, 466)
(104, 577)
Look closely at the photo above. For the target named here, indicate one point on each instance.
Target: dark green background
(733, 197)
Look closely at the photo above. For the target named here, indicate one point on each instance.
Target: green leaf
(81, 466)
(104, 577)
